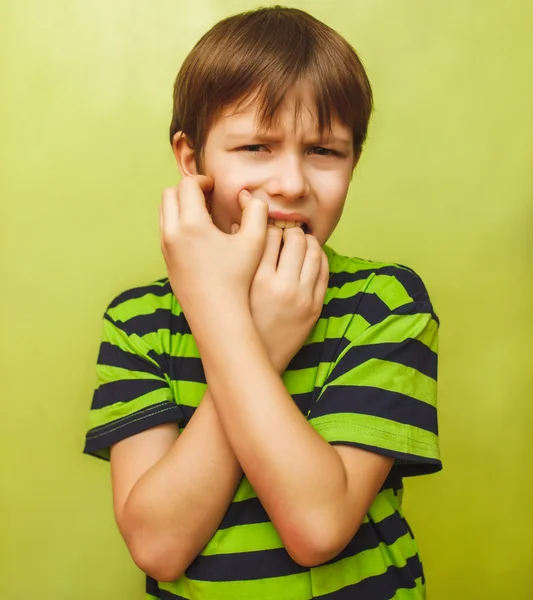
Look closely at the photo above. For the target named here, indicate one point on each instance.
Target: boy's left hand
(207, 267)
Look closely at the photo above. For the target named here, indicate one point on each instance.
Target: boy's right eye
(252, 148)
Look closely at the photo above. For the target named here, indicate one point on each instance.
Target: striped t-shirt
(366, 377)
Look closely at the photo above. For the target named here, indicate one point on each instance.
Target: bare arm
(171, 491)
(165, 523)
(315, 494)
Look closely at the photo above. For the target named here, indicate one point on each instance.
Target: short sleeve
(381, 392)
(132, 391)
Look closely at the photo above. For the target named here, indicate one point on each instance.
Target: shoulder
(378, 287)
(144, 300)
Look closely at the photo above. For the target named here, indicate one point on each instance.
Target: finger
(322, 281)
(269, 260)
(292, 256)
(169, 213)
(191, 199)
(312, 264)
(254, 215)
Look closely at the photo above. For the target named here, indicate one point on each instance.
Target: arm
(164, 524)
(170, 493)
(316, 494)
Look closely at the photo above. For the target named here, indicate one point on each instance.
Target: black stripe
(278, 563)
(376, 402)
(409, 352)
(406, 465)
(110, 433)
(155, 288)
(379, 587)
(412, 283)
(124, 391)
(384, 586)
(311, 355)
(113, 356)
(341, 307)
(415, 308)
(153, 589)
(162, 318)
(343, 277)
(245, 512)
(242, 566)
(186, 368)
(251, 511)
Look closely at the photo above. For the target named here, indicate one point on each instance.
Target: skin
(292, 173)
(315, 494)
(265, 297)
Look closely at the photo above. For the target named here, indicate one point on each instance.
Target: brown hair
(261, 54)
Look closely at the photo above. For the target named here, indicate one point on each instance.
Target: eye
(252, 148)
(331, 152)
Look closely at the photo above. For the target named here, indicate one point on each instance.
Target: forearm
(176, 506)
(298, 476)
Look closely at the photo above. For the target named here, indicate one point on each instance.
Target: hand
(286, 299)
(205, 265)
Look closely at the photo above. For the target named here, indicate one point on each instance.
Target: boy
(261, 404)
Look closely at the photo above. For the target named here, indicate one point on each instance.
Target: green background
(444, 185)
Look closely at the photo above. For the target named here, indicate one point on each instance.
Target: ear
(184, 154)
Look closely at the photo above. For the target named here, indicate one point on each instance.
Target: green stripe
(369, 563)
(398, 328)
(289, 587)
(181, 587)
(263, 536)
(189, 393)
(390, 291)
(300, 381)
(119, 338)
(145, 305)
(355, 328)
(385, 504)
(389, 376)
(377, 431)
(243, 538)
(108, 414)
(108, 374)
(245, 491)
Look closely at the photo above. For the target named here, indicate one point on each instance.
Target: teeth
(285, 224)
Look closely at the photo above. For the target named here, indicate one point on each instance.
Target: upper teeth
(285, 224)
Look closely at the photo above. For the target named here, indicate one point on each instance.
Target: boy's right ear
(184, 154)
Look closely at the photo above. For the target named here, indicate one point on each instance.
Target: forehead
(298, 113)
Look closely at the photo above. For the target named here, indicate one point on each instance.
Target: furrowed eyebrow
(256, 138)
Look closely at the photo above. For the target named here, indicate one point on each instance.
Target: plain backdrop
(444, 186)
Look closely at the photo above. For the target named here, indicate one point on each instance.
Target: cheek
(224, 200)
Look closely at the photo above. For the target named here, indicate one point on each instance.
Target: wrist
(210, 319)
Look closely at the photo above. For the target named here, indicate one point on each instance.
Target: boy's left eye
(326, 151)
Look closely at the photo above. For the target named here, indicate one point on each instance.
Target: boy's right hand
(286, 298)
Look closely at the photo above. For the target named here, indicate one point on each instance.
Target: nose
(288, 178)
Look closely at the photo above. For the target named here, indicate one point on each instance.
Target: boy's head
(274, 101)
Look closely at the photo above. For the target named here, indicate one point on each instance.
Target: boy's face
(289, 168)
